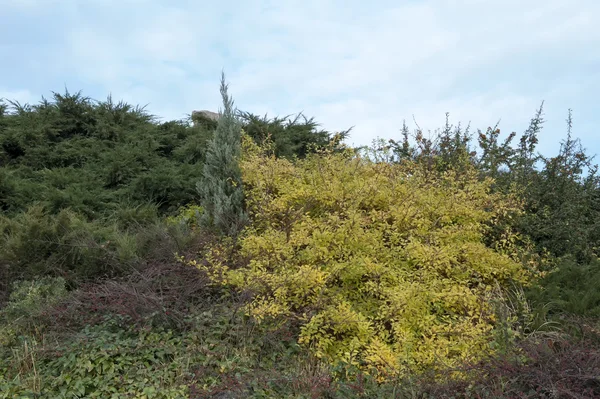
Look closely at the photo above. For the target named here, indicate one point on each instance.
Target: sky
(346, 63)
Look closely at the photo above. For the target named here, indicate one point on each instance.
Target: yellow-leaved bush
(384, 267)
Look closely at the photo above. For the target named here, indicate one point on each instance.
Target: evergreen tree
(221, 189)
(562, 203)
(292, 138)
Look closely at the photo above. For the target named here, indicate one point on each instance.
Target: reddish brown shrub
(550, 367)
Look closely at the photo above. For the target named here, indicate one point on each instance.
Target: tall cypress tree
(221, 188)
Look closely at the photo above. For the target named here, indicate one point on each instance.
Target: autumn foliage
(384, 267)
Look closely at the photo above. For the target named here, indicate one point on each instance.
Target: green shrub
(36, 243)
(290, 138)
(28, 299)
(570, 288)
(187, 216)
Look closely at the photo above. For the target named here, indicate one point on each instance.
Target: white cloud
(344, 62)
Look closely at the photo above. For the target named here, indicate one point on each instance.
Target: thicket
(85, 185)
(384, 268)
(366, 272)
(560, 198)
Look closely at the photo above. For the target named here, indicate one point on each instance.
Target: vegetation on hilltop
(85, 184)
(264, 258)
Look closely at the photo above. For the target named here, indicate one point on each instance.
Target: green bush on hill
(97, 198)
(80, 180)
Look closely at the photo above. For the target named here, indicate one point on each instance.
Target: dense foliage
(84, 184)
(382, 266)
(459, 265)
(94, 158)
(560, 193)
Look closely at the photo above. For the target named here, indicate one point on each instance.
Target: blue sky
(345, 63)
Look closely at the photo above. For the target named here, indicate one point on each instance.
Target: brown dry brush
(162, 291)
(559, 367)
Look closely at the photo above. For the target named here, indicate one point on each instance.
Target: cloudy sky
(345, 63)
